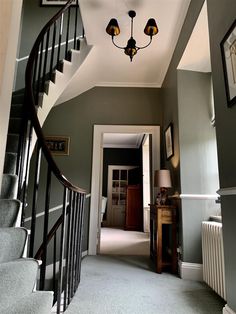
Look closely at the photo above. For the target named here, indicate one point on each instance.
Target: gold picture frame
(58, 145)
(55, 2)
(169, 145)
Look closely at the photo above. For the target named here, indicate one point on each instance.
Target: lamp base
(162, 197)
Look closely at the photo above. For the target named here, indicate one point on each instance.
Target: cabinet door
(117, 186)
(133, 219)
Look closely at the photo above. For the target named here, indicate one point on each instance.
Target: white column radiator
(213, 256)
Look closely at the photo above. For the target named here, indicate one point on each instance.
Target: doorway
(96, 186)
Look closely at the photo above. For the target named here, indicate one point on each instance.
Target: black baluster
(71, 247)
(39, 71)
(45, 61)
(35, 199)
(62, 251)
(67, 34)
(76, 22)
(45, 230)
(59, 43)
(68, 235)
(73, 252)
(35, 72)
(25, 164)
(53, 49)
(80, 238)
(77, 241)
(54, 283)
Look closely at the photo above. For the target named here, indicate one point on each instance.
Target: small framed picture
(228, 50)
(56, 2)
(58, 145)
(169, 141)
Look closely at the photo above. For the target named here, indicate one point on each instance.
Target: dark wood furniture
(161, 215)
(134, 208)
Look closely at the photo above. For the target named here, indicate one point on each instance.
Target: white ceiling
(107, 65)
(196, 56)
(122, 140)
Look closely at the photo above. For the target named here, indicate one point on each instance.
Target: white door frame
(96, 179)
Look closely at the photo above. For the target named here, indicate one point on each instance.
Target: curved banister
(51, 233)
(70, 222)
(31, 102)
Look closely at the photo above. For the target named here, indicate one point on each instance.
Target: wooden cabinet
(117, 188)
(134, 208)
(161, 216)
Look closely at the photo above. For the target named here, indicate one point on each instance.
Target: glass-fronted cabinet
(117, 189)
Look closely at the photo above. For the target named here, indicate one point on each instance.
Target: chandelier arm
(146, 45)
(116, 44)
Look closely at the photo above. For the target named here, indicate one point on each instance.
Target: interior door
(147, 180)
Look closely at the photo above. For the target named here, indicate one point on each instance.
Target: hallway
(126, 285)
(117, 283)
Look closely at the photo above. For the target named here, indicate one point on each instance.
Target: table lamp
(162, 180)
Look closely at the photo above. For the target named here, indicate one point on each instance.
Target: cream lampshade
(162, 180)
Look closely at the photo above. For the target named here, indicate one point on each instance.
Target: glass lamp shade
(151, 28)
(131, 49)
(113, 28)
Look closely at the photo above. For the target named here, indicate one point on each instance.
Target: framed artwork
(228, 50)
(169, 141)
(58, 145)
(55, 2)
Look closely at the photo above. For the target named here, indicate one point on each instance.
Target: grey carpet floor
(127, 285)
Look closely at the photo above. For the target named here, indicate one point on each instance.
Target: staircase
(46, 78)
(18, 274)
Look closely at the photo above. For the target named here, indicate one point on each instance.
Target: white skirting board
(190, 271)
(227, 310)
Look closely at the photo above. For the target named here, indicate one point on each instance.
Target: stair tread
(9, 210)
(9, 186)
(12, 243)
(38, 302)
(10, 163)
(17, 280)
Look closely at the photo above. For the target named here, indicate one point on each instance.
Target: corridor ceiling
(108, 66)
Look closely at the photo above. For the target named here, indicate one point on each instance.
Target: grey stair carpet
(127, 285)
(39, 302)
(8, 212)
(10, 163)
(17, 280)
(15, 125)
(16, 110)
(12, 143)
(12, 243)
(9, 186)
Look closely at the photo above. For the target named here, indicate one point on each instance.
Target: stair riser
(15, 125)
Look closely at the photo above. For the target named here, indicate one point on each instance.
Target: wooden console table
(162, 215)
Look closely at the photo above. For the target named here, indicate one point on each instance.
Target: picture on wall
(55, 2)
(169, 141)
(58, 145)
(228, 49)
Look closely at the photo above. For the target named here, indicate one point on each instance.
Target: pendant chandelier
(131, 49)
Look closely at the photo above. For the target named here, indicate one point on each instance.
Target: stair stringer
(62, 80)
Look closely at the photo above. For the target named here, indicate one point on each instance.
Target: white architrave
(94, 223)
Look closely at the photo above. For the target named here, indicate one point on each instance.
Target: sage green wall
(221, 16)
(100, 105)
(198, 158)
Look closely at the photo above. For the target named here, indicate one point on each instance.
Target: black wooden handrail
(31, 102)
(51, 233)
(70, 222)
